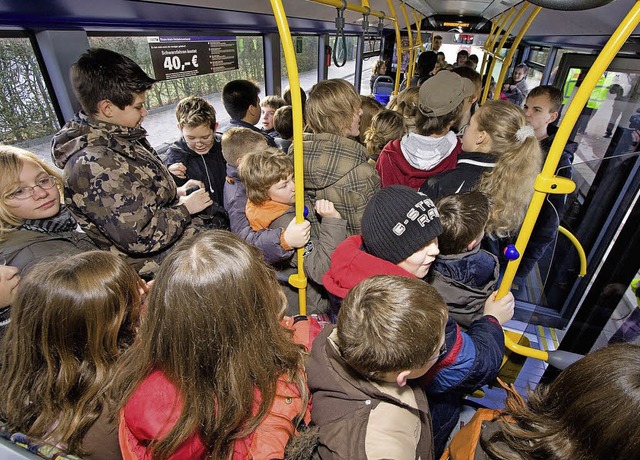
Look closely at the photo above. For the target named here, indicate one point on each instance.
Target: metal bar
(399, 49)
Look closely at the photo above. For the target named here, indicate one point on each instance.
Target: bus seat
(382, 89)
(11, 451)
(18, 446)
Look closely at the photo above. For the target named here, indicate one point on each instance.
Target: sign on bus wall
(179, 57)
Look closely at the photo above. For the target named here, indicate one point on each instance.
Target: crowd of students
(164, 327)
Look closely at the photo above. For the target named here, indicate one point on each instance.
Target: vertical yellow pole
(399, 49)
(298, 280)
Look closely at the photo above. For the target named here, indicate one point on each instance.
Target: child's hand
(297, 235)
(190, 184)
(196, 201)
(325, 208)
(9, 279)
(501, 309)
(179, 170)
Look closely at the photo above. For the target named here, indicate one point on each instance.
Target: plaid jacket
(336, 169)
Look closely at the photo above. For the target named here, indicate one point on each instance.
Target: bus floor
(526, 372)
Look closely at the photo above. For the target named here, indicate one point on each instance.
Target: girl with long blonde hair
(71, 320)
(213, 373)
(501, 158)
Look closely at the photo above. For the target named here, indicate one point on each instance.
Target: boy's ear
(553, 116)
(215, 128)
(472, 245)
(402, 377)
(105, 108)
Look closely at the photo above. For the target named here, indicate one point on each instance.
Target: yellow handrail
(512, 51)
(618, 38)
(298, 280)
(356, 8)
(579, 248)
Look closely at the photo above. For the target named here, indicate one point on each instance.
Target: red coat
(393, 168)
(155, 406)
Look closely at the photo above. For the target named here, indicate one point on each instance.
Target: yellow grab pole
(581, 254)
(493, 51)
(298, 280)
(411, 50)
(418, 31)
(546, 179)
(514, 48)
(399, 49)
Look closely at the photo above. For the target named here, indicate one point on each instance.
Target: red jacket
(350, 264)
(155, 406)
(393, 168)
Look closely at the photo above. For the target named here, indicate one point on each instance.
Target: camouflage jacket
(336, 169)
(119, 190)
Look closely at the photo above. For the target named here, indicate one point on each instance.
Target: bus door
(603, 213)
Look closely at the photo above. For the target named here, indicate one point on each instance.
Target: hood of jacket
(82, 132)
(328, 158)
(474, 269)
(350, 264)
(426, 152)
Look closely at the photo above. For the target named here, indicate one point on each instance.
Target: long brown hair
(509, 184)
(70, 322)
(589, 412)
(212, 328)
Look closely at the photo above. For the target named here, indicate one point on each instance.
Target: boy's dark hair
(238, 95)
(553, 94)
(463, 217)
(102, 74)
(463, 53)
(194, 111)
(390, 324)
(283, 122)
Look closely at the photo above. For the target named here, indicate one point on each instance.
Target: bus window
(162, 98)
(27, 116)
(307, 59)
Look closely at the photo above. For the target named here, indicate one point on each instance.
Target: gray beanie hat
(397, 222)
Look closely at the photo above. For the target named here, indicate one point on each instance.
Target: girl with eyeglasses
(34, 224)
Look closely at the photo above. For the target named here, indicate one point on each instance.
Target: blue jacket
(465, 281)
(235, 202)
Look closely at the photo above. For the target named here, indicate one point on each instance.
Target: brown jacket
(359, 418)
(337, 169)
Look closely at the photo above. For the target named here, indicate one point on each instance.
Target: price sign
(180, 57)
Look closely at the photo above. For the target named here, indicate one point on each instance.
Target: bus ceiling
(589, 27)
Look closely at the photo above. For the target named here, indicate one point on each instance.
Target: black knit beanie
(397, 222)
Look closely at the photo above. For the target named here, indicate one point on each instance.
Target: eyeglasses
(23, 193)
